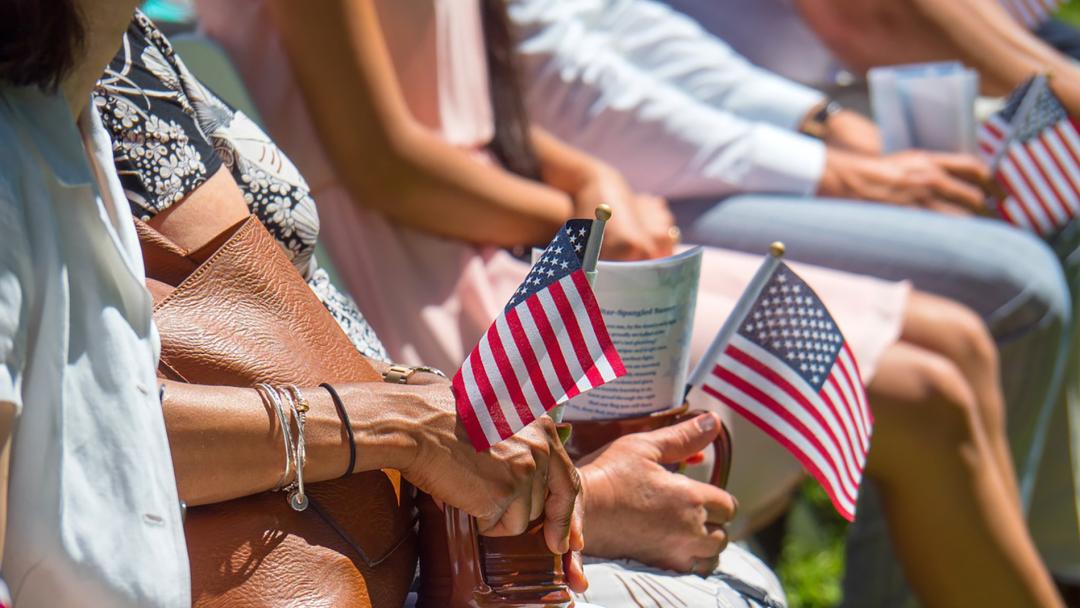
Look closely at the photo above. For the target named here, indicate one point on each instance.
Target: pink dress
(430, 298)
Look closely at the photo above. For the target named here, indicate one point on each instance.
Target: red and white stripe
(544, 351)
(1031, 13)
(828, 430)
(1042, 179)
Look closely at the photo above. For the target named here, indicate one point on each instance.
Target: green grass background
(811, 562)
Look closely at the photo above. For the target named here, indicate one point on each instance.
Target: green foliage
(812, 561)
(1071, 12)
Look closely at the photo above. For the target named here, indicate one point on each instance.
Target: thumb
(681, 441)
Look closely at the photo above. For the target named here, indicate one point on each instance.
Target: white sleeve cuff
(781, 161)
(773, 99)
(9, 390)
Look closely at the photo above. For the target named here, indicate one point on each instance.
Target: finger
(718, 534)
(946, 208)
(712, 541)
(574, 570)
(959, 192)
(512, 522)
(964, 166)
(564, 487)
(538, 493)
(705, 566)
(681, 441)
(577, 525)
(720, 506)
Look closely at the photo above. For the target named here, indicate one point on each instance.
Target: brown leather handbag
(236, 313)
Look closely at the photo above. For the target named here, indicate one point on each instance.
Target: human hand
(506, 487)
(947, 183)
(657, 222)
(677, 523)
(849, 130)
(624, 236)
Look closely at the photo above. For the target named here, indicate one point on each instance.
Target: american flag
(549, 345)
(1033, 146)
(1032, 13)
(789, 371)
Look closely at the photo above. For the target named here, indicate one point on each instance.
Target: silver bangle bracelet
(298, 500)
(271, 395)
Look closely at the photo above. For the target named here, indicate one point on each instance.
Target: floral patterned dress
(171, 134)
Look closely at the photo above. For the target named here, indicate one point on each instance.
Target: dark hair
(40, 41)
(511, 145)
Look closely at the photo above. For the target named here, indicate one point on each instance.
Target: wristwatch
(400, 374)
(816, 125)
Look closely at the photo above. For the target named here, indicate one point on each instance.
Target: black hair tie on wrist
(344, 415)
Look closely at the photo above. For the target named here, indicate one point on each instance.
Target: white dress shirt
(677, 110)
(94, 517)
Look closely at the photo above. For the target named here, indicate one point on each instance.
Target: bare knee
(955, 331)
(935, 404)
(974, 350)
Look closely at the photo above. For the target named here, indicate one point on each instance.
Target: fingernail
(706, 422)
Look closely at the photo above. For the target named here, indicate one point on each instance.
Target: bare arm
(241, 452)
(868, 33)
(386, 159)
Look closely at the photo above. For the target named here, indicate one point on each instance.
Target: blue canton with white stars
(790, 321)
(562, 256)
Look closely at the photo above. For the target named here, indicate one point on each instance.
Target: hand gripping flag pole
(549, 345)
(753, 290)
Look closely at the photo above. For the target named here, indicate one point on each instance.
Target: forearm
(227, 443)
(1004, 51)
(385, 157)
(432, 186)
(562, 166)
(980, 33)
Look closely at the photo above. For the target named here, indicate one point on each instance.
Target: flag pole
(742, 307)
(596, 240)
(1026, 105)
(588, 264)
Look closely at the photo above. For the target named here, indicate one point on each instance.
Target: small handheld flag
(1033, 147)
(549, 345)
(784, 365)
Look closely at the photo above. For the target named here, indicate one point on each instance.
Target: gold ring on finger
(675, 234)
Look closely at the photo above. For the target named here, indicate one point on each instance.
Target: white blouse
(94, 517)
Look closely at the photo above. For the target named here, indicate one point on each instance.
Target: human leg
(958, 334)
(956, 526)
